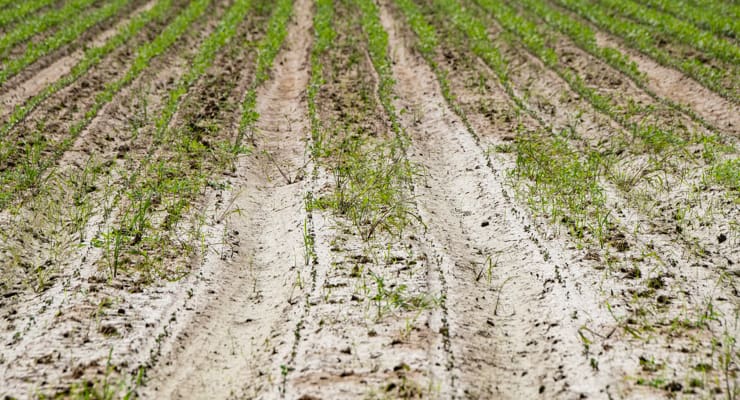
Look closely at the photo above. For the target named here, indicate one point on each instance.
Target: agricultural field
(369, 199)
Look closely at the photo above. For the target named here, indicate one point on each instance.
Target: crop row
(92, 57)
(593, 163)
(61, 37)
(704, 17)
(42, 22)
(567, 180)
(20, 10)
(170, 179)
(268, 49)
(582, 205)
(29, 172)
(380, 179)
(324, 36)
(583, 36)
(664, 146)
(527, 31)
(673, 28)
(641, 38)
(152, 182)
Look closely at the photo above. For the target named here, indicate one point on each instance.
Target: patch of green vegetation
(203, 59)
(641, 38)
(61, 37)
(17, 179)
(389, 298)
(371, 186)
(41, 23)
(563, 185)
(727, 173)
(324, 37)
(172, 182)
(92, 57)
(372, 176)
(719, 22)
(675, 29)
(19, 11)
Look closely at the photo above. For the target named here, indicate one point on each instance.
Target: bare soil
(478, 297)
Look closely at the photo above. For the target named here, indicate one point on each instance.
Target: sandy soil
(278, 301)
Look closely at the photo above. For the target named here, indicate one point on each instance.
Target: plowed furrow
(511, 329)
(107, 142)
(21, 96)
(242, 328)
(372, 290)
(672, 84)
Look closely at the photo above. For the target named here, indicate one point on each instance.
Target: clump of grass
(657, 140)
(563, 184)
(727, 174)
(370, 186)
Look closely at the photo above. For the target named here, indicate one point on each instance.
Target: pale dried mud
(282, 298)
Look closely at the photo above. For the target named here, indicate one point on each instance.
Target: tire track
(514, 337)
(684, 290)
(241, 332)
